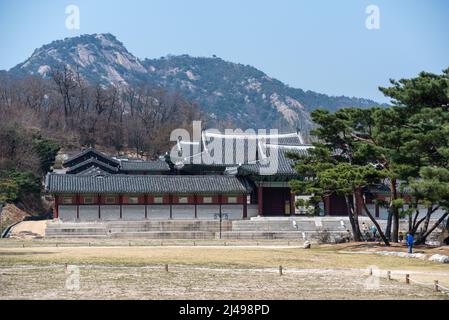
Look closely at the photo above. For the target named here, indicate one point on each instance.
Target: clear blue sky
(320, 45)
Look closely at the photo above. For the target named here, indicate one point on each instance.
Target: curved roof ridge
(250, 136)
(93, 161)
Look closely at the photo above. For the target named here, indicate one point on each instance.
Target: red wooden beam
(292, 203)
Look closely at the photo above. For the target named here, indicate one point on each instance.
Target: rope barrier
(419, 282)
(438, 287)
(444, 289)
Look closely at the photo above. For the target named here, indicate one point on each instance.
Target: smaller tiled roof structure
(141, 166)
(92, 162)
(93, 171)
(90, 153)
(275, 158)
(152, 184)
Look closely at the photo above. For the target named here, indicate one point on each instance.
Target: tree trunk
(357, 207)
(395, 211)
(410, 220)
(388, 227)
(423, 232)
(379, 229)
(427, 220)
(395, 234)
(355, 229)
(423, 238)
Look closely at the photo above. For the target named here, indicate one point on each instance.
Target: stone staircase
(76, 230)
(197, 229)
(150, 229)
(303, 229)
(297, 228)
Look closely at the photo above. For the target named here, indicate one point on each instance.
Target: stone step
(261, 235)
(291, 235)
(165, 235)
(75, 236)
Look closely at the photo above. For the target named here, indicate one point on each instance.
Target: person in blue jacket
(410, 242)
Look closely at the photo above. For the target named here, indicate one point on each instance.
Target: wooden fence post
(280, 270)
(389, 275)
(407, 279)
(166, 267)
(436, 286)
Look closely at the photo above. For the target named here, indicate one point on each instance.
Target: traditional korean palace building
(237, 176)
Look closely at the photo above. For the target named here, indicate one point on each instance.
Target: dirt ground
(29, 229)
(125, 269)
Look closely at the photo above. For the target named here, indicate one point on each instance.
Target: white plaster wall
(110, 212)
(67, 212)
(383, 212)
(207, 212)
(185, 212)
(234, 211)
(158, 212)
(88, 213)
(252, 210)
(133, 212)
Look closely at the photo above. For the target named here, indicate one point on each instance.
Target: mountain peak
(227, 92)
(97, 57)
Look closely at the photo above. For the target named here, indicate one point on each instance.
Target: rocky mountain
(227, 92)
(98, 58)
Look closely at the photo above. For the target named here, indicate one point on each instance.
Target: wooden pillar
(195, 201)
(245, 206)
(146, 203)
(170, 200)
(120, 201)
(260, 200)
(327, 206)
(77, 201)
(292, 203)
(56, 207)
(99, 206)
(220, 201)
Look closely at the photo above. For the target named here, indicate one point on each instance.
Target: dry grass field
(124, 269)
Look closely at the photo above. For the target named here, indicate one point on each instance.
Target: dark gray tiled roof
(64, 183)
(93, 171)
(283, 166)
(154, 165)
(287, 141)
(233, 151)
(90, 153)
(92, 162)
